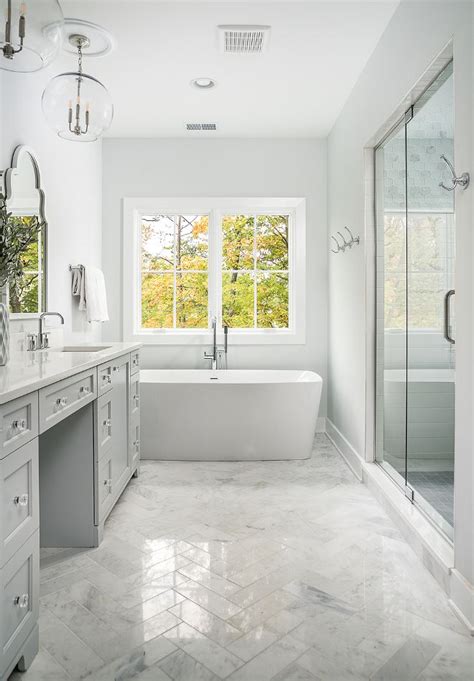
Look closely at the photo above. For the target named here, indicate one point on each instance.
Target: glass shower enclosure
(415, 299)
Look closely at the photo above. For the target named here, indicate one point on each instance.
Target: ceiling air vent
(201, 126)
(242, 39)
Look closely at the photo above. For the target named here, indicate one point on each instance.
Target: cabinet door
(19, 499)
(120, 421)
(19, 599)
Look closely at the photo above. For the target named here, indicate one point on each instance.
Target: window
(174, 271)
(187, 261)
(27, 294)
(255, 275)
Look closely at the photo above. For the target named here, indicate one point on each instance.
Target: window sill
(206, 338)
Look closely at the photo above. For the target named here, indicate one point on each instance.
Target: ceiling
(296, 88)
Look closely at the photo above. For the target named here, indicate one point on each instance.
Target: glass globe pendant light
(77, 106)
(32, 34)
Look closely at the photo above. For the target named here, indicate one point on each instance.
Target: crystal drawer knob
(61, 401)
(136, 398)
(108, 484)
(108, 422)
(114, 368)
(21, 500)
(106, 378)
(21, 601)
(19, 424)
(85, 389)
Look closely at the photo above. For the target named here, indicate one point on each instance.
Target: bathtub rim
(207, 376)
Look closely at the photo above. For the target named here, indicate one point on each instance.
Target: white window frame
(134, 208)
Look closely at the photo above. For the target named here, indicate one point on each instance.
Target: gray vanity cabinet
(114, 460)
(67, 451)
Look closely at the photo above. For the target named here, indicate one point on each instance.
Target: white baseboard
(461, 599)
(347, 451)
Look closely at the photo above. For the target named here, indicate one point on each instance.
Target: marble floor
(276, 571)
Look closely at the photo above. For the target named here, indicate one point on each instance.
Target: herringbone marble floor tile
(252, 571)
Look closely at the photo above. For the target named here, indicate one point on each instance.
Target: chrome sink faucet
(40, 341)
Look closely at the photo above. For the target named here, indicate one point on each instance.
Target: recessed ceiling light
(203, 83)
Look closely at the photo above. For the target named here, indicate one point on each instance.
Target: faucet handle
(32, 341)
(44, 341)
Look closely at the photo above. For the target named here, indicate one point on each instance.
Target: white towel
(78, 285)
(96, 296)
(88, 284)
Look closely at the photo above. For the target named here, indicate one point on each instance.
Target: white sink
(83, 348)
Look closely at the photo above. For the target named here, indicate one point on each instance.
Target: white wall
(177, 167)
(72, 180)
(416, 34)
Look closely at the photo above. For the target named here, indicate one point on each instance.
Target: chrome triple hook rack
(463, 180)
(345, 244)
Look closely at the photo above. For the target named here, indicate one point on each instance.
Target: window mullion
(174, 271)
(214, 265)
(255, 271)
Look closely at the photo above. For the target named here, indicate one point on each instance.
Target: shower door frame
(414, 496)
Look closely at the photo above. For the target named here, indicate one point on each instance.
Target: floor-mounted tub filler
(235, 415)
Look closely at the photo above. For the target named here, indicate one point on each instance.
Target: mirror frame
(18, 153)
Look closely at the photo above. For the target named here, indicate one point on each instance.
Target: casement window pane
(238, 242)
(157, 240)
(272, 300)
(173, 296)
(272, 242)
(238, 299)
(192, 242)
(191, 300)
(157, 301)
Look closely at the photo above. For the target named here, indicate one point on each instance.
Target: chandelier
(76, 105)
(32, 34)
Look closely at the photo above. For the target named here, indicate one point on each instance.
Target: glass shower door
(415, 296)
(430, 302)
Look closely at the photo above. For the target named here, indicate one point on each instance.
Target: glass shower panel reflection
(391, 307)
(430, 277)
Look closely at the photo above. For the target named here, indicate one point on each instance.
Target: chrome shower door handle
(447, 316)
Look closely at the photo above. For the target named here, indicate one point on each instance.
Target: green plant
(16, 235)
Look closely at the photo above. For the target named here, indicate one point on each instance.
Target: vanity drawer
(108, 373)
(104, 378)
(135, 362)
(19, 507)
(105, 484)
(18, 423)
(19, 598)
(135, 395)
(58, 401)
(104, 423)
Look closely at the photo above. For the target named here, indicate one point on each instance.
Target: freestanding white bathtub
(230, 415)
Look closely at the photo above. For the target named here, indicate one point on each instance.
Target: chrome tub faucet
(217, 352)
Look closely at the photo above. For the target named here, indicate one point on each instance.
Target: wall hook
(337, 244)
(463, 180)
(354, 239)
(346, 243)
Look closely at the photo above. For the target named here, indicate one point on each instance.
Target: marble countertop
(29, 371)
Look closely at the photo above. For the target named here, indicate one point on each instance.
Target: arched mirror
(25, 201)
